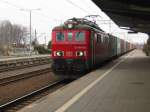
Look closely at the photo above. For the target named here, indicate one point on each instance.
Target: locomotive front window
(70, 36)
(80, 36)
(60, 36)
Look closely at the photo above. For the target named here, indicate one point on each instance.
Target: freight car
(79, 44)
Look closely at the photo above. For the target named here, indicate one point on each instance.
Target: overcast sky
(54, 12)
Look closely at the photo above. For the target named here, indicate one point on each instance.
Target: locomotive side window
(102, 38)
(80, 36)
(70, 36)
(60, 36)
(98, 38)
(106, 39)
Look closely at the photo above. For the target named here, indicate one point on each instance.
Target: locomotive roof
(79, 23)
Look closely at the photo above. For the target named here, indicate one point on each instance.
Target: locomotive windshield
(80, 36)
(70, 36)
(60, 36)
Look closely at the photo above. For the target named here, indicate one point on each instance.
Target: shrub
(41, 49)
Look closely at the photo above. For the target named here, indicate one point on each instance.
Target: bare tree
(11, 34)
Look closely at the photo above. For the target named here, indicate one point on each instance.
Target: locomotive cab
(70, 49)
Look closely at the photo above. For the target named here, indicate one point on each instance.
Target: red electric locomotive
(71, 46)
(79, 44)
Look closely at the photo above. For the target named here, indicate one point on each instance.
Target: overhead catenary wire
(55, 10)
(41, 14)
(20, 7)
(87, 5)
(77, 6)
(11, 4)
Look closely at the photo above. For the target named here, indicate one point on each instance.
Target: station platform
(122, 85)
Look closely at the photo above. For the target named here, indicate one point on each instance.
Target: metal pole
(30, 11)
(35, 35)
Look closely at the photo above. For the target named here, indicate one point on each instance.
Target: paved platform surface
(120, 86)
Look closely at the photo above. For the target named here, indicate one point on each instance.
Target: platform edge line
(75, 98)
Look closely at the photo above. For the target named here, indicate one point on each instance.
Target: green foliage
(41, 49)
(35, 42)
(49, 44)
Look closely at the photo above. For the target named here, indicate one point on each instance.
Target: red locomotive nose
(70, 44)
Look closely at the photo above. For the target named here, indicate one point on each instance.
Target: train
(79, 45)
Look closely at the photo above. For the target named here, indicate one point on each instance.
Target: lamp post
(30, 11)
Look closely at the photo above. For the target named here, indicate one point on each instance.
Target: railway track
(7, 80)
(27, 99)
(7, 65)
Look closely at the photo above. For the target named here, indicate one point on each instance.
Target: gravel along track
(19, 73)
(19, 88)
(6, 81)
(28, 99)
(23, 63)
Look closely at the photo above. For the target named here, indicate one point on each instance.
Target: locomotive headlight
(80, 53)
(70, 26)
(59, 53)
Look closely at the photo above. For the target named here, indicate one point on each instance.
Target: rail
(4, 106)
(17, 63)
(22, 76)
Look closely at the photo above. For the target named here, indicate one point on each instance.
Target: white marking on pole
(84, 91)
